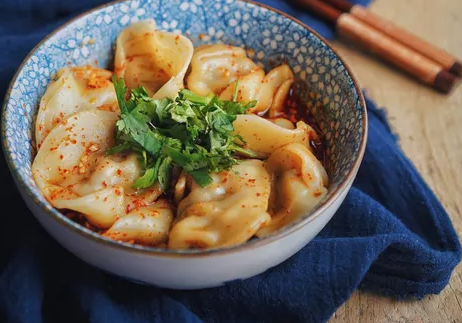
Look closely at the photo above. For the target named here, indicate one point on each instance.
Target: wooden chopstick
(389, 49)
(432, 52)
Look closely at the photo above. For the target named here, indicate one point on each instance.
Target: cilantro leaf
(149, 177)
(165, 173)
(121, 90)
(181, 113)
(118, 148)
(188, 95)
(201, 177)
(193, 132)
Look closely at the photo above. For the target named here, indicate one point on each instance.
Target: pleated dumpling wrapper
(226, 212)
(270, 90)
(215, 69)
(263, 136)
(151, 58)
(73, 173)
(299, 184)
(75, 89)
(148, 225)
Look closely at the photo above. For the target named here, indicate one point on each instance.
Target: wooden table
(430, 129)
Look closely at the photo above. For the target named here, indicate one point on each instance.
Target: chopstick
(434, 53)
(389, 49)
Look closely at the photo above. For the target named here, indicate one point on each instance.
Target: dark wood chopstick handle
(320, 9)
(342, 5)
(395, 52)
(410, 40)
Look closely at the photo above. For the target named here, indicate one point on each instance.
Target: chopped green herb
(165, 173)
(192, 131)
(235, 91)
(149, 177)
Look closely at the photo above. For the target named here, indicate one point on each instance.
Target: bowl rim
(166, 253)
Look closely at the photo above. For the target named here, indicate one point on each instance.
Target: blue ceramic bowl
(325, 85)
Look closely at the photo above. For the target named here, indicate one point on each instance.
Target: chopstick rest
(403, 36)
(389, 49)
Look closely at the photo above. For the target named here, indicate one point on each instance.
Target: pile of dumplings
(76, 123)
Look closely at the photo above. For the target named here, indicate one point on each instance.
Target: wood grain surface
(430, 128)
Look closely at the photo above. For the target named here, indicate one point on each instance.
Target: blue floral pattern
(323, 83)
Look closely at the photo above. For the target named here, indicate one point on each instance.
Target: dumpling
(300, 184)
(228, 211)
(269, 90)
(249, 89)
(146, 225)
(282, 122)
(109, 171)
(76, 88)
(68, 156)
(154, 59)
(263, 136)
(215, 67)
(180, 187)
(72, 172)
(276, 86)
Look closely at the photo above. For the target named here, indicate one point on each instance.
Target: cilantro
(193, 132)
(235, 91)
(165, 170)
(149, 177)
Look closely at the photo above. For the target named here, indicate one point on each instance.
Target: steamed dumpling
(68, 156)
(276, 85)
(263, 136)
(300, 184)
(228, 211)
(110, 171)
(76, 88)
(73, 173)
(283, 122)
(249, 89)
(269, 90)
(215, 67)
(146, 225)
(151, 58)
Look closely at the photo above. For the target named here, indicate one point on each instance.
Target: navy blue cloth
(390, 236)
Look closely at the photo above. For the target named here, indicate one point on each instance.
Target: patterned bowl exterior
(324, 83)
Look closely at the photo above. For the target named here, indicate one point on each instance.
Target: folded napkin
(391, 235)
